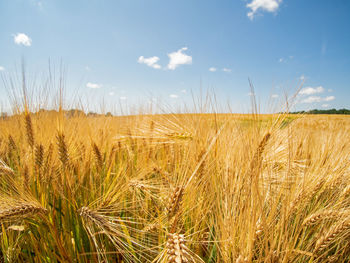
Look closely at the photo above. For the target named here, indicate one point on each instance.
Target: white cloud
(122, 98)
(265, 5)
(280, 60)
(325, 105)
(228, 70)
(329, 98)
(212, 69)
(184, 91)
(274, 96)
(2, 68)
(179, 58)
(93, 85)
(111, 93)
(311, 90)
(330, 90)
(22, 39)
(313, 99)
(174, 96)
(151, 61)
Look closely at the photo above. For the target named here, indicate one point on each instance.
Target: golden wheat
(228, 188)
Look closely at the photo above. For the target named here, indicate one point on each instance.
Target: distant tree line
(330, 111)
(68, 113)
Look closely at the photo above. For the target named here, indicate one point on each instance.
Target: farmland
(174, 188)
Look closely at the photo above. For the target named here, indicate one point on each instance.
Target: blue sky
(128, 52)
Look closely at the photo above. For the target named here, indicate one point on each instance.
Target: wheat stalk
(26, 177)
(305, 196)
(345, 192)
(117, 232)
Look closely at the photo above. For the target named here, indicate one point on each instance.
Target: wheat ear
(241, 259)
(98, 155)
(11, 143)
(20, 211)
(92, 216)
(332, 234)
(4, 169)
(324, 215)
(39, 155)
(175, 201)
(29, 130)
(178, 252)
(62, 149)
(256, 161)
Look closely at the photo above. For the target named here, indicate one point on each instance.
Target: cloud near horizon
(178, 58)
(93, 85)
(22, 39)
(314, 99)
(270, 6)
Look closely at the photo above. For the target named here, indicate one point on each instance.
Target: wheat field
(174, 188)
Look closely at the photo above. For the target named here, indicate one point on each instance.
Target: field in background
(174, 188)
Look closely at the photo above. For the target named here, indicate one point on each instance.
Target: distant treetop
(330, 111)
